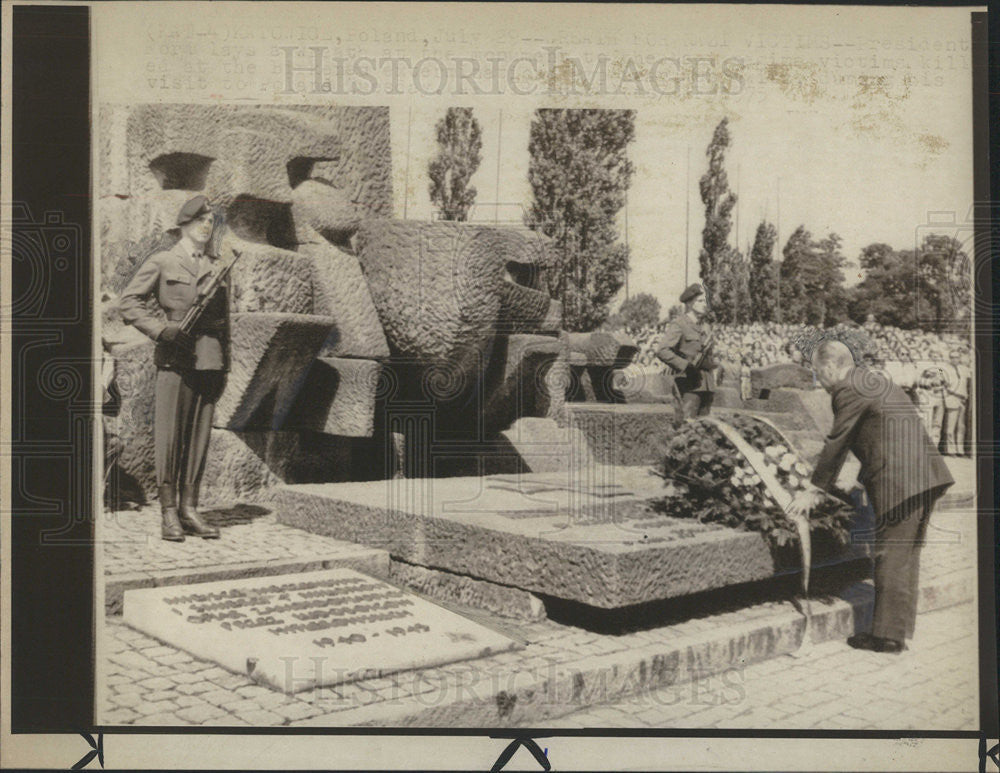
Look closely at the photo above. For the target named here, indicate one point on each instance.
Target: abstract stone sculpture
(344, 321)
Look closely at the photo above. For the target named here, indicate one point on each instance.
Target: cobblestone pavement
(931, 686)
(142, 681)
(131, 543)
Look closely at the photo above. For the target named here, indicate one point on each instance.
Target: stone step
(529, 688)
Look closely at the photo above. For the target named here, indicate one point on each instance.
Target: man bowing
(903, 475)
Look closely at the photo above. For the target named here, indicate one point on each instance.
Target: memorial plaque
(296, 632)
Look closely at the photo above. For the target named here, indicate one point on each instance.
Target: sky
(857, 118)
(868, 146)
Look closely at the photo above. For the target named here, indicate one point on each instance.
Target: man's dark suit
(903, 474)
(682, 342)
(188, 383)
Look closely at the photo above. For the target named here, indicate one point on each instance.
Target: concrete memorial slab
(586, 535)
(297, 632)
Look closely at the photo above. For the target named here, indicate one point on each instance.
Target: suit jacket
(173, 279)
(682, 341)
(874, 419)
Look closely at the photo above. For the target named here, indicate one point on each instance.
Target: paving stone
(161, 695)
(163, 718)
(130, 659)
(127, 699)
(129, 687)
(174, 658)
(226, 720)
(200, 714)
(220, 697)
(259, 718)
(156, 683)
(296, 711)
(157, 650)
(230, 681)
(243, 706)
(196, 688)
(146, 708)
(119, 716)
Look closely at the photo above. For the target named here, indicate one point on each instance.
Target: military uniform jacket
(874, 419)
(681, 343)
(173, 278)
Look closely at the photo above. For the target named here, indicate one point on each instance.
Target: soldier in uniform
(686, 347)
(191, 366)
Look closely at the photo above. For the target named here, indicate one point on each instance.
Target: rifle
(706, 350)
(204, 298)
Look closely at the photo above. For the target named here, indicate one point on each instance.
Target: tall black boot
(189, 518)
(170, 529)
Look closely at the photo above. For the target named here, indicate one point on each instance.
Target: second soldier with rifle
(686, 346)
(188, 283)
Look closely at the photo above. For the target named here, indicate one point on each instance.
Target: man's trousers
(954, 428)
(696, 403)
(185, 405)
(899, 536)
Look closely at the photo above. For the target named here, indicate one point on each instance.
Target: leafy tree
(721, 267)
(927, 288)
(459, 144)
(638, 312)
(812, 280)
(579, 175)
(763, 280)
(945, 284)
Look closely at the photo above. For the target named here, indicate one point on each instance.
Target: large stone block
(436, 286)
(526, 310)
(533, 533)
(260, 151)
(337, 397)
(784, 375)
(518, 380)
(623, 434)
(527, 253)
(544, 446)
(609, 350)
(271, 354)
(248, 466)
(340, 291)
(136, 377)
(459, 589)
(269, 279)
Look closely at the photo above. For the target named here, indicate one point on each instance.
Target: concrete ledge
(524, 690)
(459, 589)
(374, 562)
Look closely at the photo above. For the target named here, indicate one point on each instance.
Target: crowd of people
(934, 370)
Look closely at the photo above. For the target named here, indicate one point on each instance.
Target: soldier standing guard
(191, 366)
(686, 347)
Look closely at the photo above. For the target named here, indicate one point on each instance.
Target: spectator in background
(956, 399)
(929, 392)
(745, 377)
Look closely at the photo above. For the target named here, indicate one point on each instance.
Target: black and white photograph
(535, 370)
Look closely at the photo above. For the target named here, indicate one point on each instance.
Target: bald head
(831, 360)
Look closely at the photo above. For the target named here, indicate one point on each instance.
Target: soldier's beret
(193, 208)
(692, 292)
